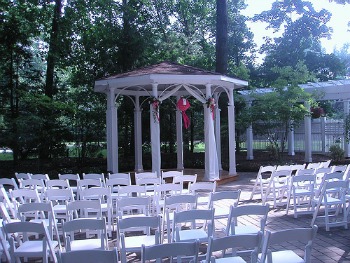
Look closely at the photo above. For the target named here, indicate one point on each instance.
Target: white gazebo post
(308, 139)
(249, 139)
(211, 157)
(112, 132)
(346, 143)
(155, 133)
(291, 150)
(138, 135)
(231, 134)
(218, 130)
(323, 134)
(179, 138)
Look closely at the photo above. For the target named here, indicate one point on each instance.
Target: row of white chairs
(308, 191)
(254, 240)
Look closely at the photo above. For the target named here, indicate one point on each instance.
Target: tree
(221, 37)
(302, 28)
(273, 112)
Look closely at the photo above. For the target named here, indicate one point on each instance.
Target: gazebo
(159, 82)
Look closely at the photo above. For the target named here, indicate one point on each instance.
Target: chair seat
(86, 244)
(135, 243)
(230, 260)
(285, 256)
(33, 247)
(240, 230)
(193, 234)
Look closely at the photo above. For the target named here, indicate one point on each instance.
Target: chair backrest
(203, 187)
(313, 165)
(34, 184)
(22, 176)
(179, 203)
(162, 191)
(233, 245)
(304, 235)
(84, 209)
(89, 256)
(137, 222)
(189, 179)
(230, 197)
(21, 196)
(310, 171)
(168, 176)
(127, 206)
(120, 176)
(85, 224)
(72, 178)
(44, 177)
(145, 175)
(325, 164)
(95, 176)
(187, 250)
(131, 190)
(246, 210)
(284, 167)
(59, 195)
(8, 183)
(57, 183)
(114, 181)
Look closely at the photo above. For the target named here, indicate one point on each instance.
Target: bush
(337, 153)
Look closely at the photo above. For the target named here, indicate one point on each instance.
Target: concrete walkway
(329, 247)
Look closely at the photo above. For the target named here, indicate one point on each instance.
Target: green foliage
(282, 107)
(336, 152)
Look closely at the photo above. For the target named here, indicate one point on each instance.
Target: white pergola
(160, 82)
(338, 90)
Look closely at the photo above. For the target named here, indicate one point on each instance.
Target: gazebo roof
(164, 74)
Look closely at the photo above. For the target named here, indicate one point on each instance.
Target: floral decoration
(155, 105)
(211, 104)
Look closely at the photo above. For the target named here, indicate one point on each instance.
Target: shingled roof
(165, 67)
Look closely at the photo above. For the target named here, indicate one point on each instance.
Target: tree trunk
(53, 50)
(221, 37)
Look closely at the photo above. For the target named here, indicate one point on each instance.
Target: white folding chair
(168, 176)
(22, 196)
(161, 192)
(333, 199)
(131, 191)
(199, 226)
(175, 203)
(28, 248)
(301, 192)
(305, 171)
(129, 238)
(187, 251)
(262, 180)
(203, 191)
(40, 213)
(102, 194)
(238, 224)
(277, 253)
(234, 247)
(88, 225)
(278, 187)
(4, 245)
(59, 199)
(88, 183)
(8, 183)
(222, 201)
(89, 256)
(37, 184)
(44, 177)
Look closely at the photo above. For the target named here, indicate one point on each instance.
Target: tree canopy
(51, 52)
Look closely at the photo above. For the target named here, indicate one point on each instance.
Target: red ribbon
(183, 105)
